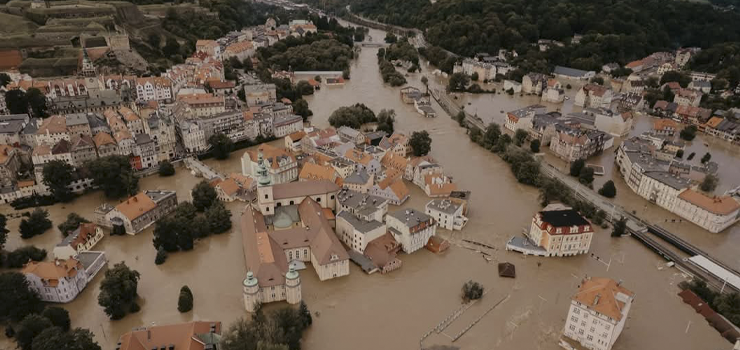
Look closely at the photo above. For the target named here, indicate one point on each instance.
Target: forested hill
(614, 30)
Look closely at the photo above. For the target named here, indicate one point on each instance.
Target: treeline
(280, 329)
(614, 31)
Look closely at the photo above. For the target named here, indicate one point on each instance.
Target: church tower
(88, 69)
(264, 187)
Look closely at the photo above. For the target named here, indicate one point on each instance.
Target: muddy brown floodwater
(393, 311)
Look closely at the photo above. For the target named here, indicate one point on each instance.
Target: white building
(411, 228)
(154, 89)
(597, 315)
(193, 137)
(357, 232)
(554, 92)
(58, 281)
(447, 214)
(286, 125)
(561, 231)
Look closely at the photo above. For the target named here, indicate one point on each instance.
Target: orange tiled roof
(723, 205)
(600, 295)
(136, 206)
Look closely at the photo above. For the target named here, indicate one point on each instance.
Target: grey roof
(32, 126)
(582, 118)
(529, 110)
(12, 125)
(87, 258)
(346, 130)
(158, 195)
(142, 139)
(669, 179)
(411, 217)
(96, 121)
(571, 72)
(286, 119)
(444, 205)
(701, 83)
(358, 177)
(361, 203)
(363, 226)
(76, 119)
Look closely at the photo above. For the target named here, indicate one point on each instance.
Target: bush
(689, 133)
(620, 227)
(534, 146)
(576, 167)
(608, 190)
(58, 316)
(166, 169)
(705, 158)
(185, 301)
(33, 201)
(679, 153)
(73, 221)
(471, 291)
(709, 184)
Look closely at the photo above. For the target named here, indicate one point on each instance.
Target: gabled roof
(52, 271)
(311, 171)
(55, 124)
(102, 139)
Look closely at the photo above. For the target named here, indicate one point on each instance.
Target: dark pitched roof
(562, 218)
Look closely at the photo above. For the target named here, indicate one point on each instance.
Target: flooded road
(393, 311)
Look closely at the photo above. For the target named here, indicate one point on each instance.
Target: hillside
(614, 31)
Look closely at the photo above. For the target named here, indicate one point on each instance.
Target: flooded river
(393, 311)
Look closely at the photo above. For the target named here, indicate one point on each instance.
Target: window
(318, 200)
(332, 197)
(572, 327)
(574, 319)
(590, 337)
(305, 252)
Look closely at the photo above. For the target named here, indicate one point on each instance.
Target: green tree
(491, 136)
(72, 223)
(37, 223)
(706, 157)
(425, 81)
(471, 291)
(171, 47)
(185, 301)
(608, 189)
(37, 103)
(421, 143)
(221, 145)
(597, 80)
(534, 146)
(460, 118)
(520, 136)
(728, 304)
(31, 326)
(688, 133)
(3, 231)
(161, 256)
(58, 316)
(300, 107)
(474, 76)
(154, 40)
(16, 101)
(680, 78)
(58, 175)
(203, 195)
(502, 144)
(679, 153)
(386, 118)
(620, 227)
(4, 79)
(576, 167)
(166, 168)
(458, 82)
(19, 257)
(219, 218)
(304, 88)
(305, 314)
(113, 174)
(55, 338)
(709, 184)
(16, 298)
(390, 38)
(345, 74)
(118, 290)
(586, 176)
(167, 232)
(200, 227)
(185, 211)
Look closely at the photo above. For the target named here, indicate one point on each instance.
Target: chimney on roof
(148, 334)
(596, 299)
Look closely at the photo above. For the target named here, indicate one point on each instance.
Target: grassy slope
(11, 24)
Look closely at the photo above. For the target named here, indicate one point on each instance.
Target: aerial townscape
(346, 174)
